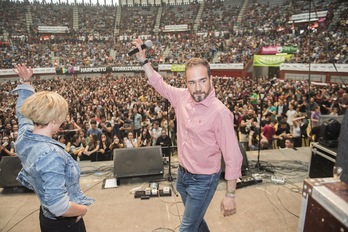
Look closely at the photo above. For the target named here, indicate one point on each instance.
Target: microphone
(147, 44)
(274, 81)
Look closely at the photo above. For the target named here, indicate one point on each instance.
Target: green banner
(270, 60)
(288, 49)
(177, 68)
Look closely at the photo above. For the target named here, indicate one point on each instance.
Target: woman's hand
(23, 72)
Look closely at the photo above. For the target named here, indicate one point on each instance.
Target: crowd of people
(221, 40)
(123, 111)
(119, 111)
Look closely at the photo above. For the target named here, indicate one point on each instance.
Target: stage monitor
(329, 133)
(137, 162)
(328, 118)
(10, 166)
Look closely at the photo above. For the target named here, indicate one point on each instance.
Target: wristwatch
(144, 62)
(231, 194)
(22, 81)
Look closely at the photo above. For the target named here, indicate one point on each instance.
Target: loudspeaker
(322, 161)
(9, 169)
(137, 162)
(329, 133)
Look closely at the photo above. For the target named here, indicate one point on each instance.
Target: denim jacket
(47, 169)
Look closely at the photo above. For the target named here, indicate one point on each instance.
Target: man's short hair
(268, 115)
(283, 122)
(198, 61)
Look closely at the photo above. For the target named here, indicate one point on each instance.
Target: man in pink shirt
(205, 132)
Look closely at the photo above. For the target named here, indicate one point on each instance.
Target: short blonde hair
(44, 107)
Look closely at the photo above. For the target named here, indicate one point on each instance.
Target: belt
(184, 170)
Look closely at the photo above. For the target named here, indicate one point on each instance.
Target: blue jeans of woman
(196, 192)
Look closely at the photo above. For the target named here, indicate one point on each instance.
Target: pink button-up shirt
(204, 131)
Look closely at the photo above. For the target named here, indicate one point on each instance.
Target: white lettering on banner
(305, 16)
(127, 68)
(227, 66)
(179, 27)
(10, 72)
(314, 67)
(234, 66)
(100, 69)
(52, 29)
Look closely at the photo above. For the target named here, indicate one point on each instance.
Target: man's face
(198, 82)
(164, 134)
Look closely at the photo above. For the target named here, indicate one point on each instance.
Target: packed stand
(138, 20)
(112, 112)
(94, 45)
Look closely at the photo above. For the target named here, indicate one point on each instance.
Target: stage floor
(261, 207)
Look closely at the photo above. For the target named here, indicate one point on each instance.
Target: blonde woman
(47, 168)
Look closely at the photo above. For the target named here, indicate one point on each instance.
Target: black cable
(284, 206)
(276, 206)
(163, 229)
(19, 220)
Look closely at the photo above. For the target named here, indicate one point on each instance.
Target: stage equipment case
(324, 206)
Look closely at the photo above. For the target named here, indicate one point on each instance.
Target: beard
(199, 96)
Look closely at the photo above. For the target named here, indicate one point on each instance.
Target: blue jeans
(196, 192)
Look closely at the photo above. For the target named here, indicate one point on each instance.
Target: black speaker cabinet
(9, 169)
(322, 161)
(137, 162)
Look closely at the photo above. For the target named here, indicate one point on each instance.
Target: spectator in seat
(94, 129)
(155, 132)
(144, 140)
(116, 143)
(92, 148)
(130, 141)
(105, 153)
(282, 133)
(268, 132)
(165, 142)
(77, 148)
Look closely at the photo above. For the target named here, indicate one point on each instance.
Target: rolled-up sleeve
(23, 91)
(228, 143)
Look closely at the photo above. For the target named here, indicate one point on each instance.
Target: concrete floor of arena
(262, 207)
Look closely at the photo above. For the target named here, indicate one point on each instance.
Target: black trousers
(63, 224)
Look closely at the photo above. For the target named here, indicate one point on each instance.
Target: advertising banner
(270, 60)
(271, 50)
